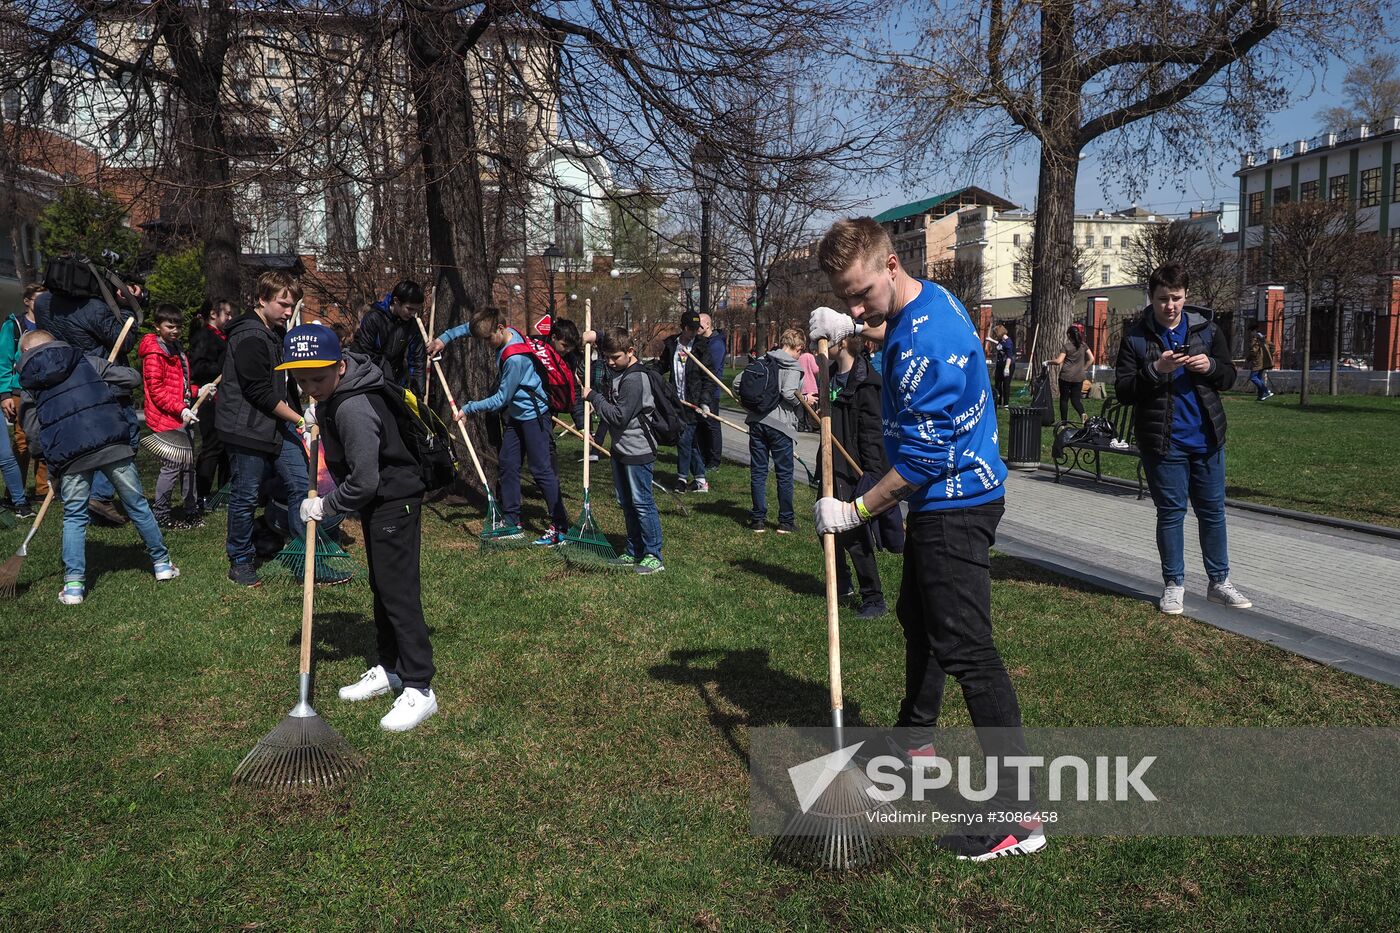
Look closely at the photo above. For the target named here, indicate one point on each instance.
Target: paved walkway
(1329, 594)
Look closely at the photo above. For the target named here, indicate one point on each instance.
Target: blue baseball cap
(308, 346)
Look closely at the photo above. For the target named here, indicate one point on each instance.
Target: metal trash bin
(1023, 445)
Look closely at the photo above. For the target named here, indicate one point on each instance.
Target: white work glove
(308, 417)
(831, 324)
(705, 410)
(833, 516)
(188, 416)
(313, 510)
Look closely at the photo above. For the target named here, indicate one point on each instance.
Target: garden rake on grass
(303, 752)
(496, 532)
(10, 570)
(584, 544)
(834, 833)
(174, 446)
(674, 499)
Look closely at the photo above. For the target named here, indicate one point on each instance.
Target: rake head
(586, 546)
(9, 576)
(333, 563)
(219, 499)
(499, 534)
(302, 753)
(837, 833)
(171, 447)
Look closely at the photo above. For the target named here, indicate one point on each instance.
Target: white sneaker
(72, 593)
(1173, 599)
(1225, 593)
(166, 571)
(702, 485)
(412, 707)
(373, 683)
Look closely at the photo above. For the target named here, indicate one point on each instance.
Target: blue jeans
(1260, 382)
(1200, 478)
(76, 488)
(633, 484)
(763, 442)
(689, 461)
(9, 469)
(248, 469)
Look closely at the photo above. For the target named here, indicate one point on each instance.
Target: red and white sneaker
(1020, 839)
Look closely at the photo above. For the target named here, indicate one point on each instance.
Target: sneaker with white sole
(551, 538)
(702, 485)
(412, 707)
(1225, 594)
(375, 682)
(1019, 839)
(73, 593)
(1173, 599)
(165, 570)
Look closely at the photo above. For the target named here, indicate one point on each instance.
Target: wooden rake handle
(704, 369)
(205, 391)
(724, 421)
(833, 604)
(587, 384)
(834, 442)
(579, 434)
(452, 403)
(308, 577)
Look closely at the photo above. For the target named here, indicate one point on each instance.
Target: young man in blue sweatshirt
(940, 432)
(525, 433)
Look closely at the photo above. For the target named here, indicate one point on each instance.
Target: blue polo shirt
(1188, 430)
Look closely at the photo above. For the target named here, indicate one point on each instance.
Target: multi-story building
(924, 231)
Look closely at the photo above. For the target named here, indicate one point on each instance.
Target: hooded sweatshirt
(364, 449)
(73, 407)
(939, 423)
(620, 408)
(518, 389)
(252, 387)
(788, 413)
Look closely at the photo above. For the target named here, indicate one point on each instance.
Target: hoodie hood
(361, 375)
(151, 343)
(784, 359)
(47, 366)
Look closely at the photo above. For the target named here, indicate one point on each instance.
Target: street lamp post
(704, 163)
(687, 280)
(553, 259)
(627, 311)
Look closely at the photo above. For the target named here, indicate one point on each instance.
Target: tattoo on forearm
(902, 491)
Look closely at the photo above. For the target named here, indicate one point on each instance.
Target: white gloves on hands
(313, 510)
(833, 516)
(705, 410)
(831, 324)
(188, 416)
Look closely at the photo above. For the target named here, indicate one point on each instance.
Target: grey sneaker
(1173, 599)
(1225, 593)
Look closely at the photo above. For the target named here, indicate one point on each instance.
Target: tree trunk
(1333, 382)
(1307, 345)
(1054, 275)
(217, 224)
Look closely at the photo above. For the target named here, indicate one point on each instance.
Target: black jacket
(1137, 383)
(85, 323)
(208, 347)
(252, 387)
(855, 422)
(394, 345)
(364, 448)
(697, 384)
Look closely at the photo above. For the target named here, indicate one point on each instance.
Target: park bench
(1084, 455)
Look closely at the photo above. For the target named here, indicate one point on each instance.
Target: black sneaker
(1018, 839)
(787, 528)
(873, 609)
(758, 526)
(244, 575)
(24, 510)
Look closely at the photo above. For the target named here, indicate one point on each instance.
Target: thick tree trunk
(1307, 345)
(217, 224)
(1054, 275)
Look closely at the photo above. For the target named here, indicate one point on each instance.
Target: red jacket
(167, 384)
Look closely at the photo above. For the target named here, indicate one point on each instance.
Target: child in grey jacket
(621, 409)
(774, 434)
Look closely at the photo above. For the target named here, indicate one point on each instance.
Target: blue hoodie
(939, 424)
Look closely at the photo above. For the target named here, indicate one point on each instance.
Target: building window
(1395, 243)
(341, 236)
(1307, 191)
(274, 66)
(568, 224)
(1088, 239)
(1337, 188)
(1105, 274)
(11, 104)
(1015, 272)
(1016, 237)
(1369, 194)
(1108, 242)
(58, 93)
(1283, 195)
(274, 93)
(243, 90)
(143, 32)
(1256, 208)
(1122, 242)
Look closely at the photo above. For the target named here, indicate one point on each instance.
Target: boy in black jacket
(208, 350)
(258, 420)
(377, 476)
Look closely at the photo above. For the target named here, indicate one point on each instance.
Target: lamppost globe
(687, 279)
(614, 272)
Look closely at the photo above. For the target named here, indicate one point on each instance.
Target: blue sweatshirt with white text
(936, 409)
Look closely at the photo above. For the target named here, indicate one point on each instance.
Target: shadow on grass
(804, 583)
(722, 509)
(105, 557)
(344, 635)
(741, 689)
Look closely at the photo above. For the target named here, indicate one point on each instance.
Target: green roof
(927, 204)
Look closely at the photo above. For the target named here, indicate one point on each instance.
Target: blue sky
(1211, 182)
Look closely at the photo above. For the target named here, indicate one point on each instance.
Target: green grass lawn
(588, 766)
(1339, 456)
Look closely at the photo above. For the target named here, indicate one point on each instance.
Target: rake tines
(301, 753)
(585, 546)
(219, 499)
(173, 447)
(333, 563)
(837, 832)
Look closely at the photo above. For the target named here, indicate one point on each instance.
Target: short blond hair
(273, 283)
(792, 338)
(35, 338)
(853, 240)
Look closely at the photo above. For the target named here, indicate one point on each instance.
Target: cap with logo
(310, 345)
(690, 320)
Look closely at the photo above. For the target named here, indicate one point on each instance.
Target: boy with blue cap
(377, 475)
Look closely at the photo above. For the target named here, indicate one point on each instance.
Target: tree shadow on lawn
(729, 510)
(805, 583)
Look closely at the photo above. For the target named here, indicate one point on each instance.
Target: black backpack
(425, 436)
(758, 389)
(662, 422)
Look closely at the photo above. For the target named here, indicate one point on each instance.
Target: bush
(178, 279)
(89, 223)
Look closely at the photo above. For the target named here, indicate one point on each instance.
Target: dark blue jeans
(689, 461)
(248, 469)
(1174, 480)
(522, 441)
(1261, 382)
(765, 441)
(633, 483)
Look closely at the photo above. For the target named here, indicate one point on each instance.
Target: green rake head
(7, 520)
(586, 546)
(219, 499)
(333, 564)
(499, 534)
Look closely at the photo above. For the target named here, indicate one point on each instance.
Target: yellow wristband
(862, 511)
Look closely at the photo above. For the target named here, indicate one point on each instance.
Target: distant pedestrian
(208, 347)
(1261, 360)
(772, 414)
(807, 361)
(1173, 364)
(710, 432)
(1004, 364)
(691, 385)
(1075, 361)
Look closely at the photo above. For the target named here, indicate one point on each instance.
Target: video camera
(80, 278)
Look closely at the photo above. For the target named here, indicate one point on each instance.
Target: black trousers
(711, 439)
(1071, 393)
(393, 534)
(856, 542)
(211, 469)
(945, 608)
